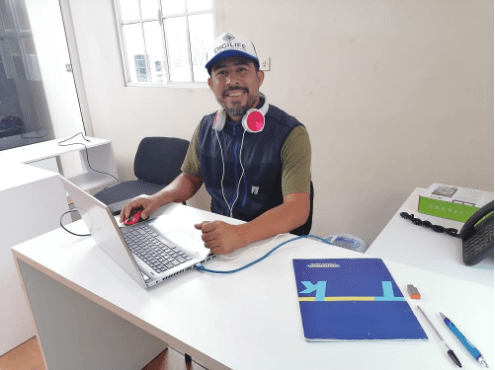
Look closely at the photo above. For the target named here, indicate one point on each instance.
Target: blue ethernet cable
(200, 267)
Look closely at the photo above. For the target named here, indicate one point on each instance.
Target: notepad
(352, 299)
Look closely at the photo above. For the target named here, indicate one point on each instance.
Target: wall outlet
(265, 64)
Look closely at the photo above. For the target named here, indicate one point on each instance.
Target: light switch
(265, 64)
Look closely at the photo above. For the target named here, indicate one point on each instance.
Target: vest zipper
(245, 190)
(244, 175)
(236, 147)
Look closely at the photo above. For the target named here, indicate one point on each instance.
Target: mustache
(234, 88)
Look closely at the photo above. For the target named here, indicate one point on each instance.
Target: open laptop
(145, 253)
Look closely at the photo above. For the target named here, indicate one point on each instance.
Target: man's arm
(223, 238)
(181, 189)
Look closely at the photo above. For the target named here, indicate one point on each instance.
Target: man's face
(235, 83)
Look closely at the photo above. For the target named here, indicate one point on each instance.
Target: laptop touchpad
(187, 243)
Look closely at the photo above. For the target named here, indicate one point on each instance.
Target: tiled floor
(27, 356)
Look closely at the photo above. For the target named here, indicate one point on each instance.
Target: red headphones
(253, 120)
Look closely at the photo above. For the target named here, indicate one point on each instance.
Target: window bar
(19, 38)
(146, 56)
(189, 51)
(127, 67)
(161, 21)
(123, 48)
(164, 56)
(143, 40)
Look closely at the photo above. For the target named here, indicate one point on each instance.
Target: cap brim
(229, 53)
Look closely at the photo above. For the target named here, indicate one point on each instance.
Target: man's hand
(181, 189)
(148, 203)
(220, 237)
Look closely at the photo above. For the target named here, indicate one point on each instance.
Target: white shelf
(48, 149)
(92, 182)
(99, 151)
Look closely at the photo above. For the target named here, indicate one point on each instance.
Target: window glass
(167, 50)
(21, 16)
(197, 5)
(177, 46)
(129, 9)
(14, 48)
(7, 18)
(149, 9)
(173, 7)
(154, 49)
(135, 52)
(201, 34)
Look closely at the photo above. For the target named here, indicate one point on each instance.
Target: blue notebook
(352, 299)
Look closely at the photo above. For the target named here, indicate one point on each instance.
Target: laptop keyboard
(143, 243)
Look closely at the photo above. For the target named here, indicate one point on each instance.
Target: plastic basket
(348, 242)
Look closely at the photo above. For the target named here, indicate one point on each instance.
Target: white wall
(395, 95)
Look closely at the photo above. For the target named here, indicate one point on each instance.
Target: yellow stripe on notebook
(333, 299)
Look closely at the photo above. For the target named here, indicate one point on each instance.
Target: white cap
(230, 44)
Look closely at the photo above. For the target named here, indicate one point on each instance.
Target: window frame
(161, 22)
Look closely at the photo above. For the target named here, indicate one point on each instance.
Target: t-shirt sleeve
(296, 162)
(192, 165)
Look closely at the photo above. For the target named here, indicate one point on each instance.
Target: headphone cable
(223, 169)
(240, 179)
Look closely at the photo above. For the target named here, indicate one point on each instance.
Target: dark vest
(260, 188)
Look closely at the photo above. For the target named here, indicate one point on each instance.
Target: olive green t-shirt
(295, 155)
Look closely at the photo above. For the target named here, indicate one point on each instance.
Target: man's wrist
(161, 198)
(245, 234)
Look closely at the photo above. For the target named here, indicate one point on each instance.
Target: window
(164, 41)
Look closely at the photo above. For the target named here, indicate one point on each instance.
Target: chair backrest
(159, 159)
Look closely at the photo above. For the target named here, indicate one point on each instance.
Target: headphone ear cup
(253, 121)
(219, 121)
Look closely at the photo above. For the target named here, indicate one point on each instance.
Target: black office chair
(157, 163)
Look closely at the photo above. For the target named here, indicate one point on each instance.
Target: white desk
(404, 242)
(91, 315)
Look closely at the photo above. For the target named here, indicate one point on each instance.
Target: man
(258, 171)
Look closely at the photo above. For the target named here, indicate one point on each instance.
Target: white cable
(231, 208)
(223, 169)
(240, 179)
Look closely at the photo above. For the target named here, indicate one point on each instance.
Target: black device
(477, 235)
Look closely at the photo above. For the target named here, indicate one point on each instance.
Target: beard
(238, 110)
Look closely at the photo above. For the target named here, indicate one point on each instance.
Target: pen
(472, 349)
(449, 350)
